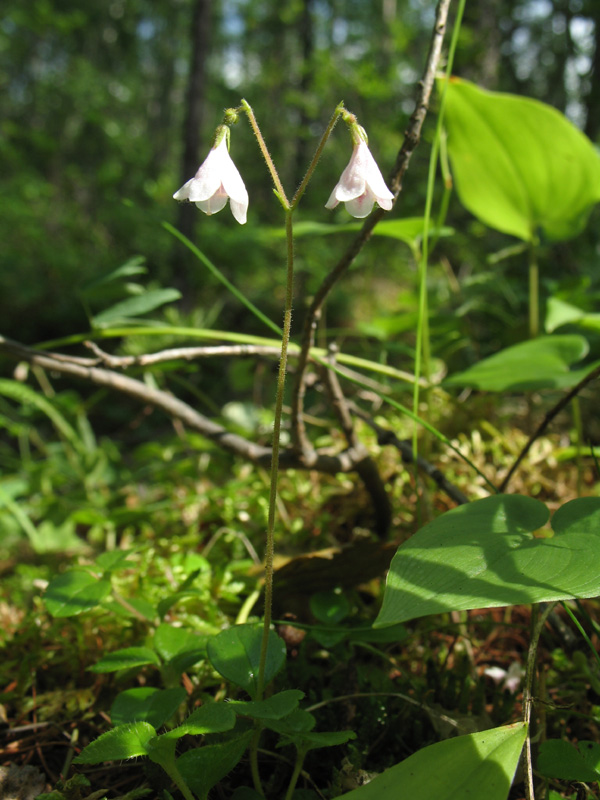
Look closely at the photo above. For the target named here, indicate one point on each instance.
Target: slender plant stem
(266, 155)
(177, 778)
(270, 548)
(300, 756)
(539, 616)
(534, 292)
(254, 761)
(315, 159)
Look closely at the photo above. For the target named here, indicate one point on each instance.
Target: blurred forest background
(109, 107)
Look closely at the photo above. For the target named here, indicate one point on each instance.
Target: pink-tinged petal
(361, 206)
(376, 183)
(207, 180)
(213, 204)
(333, 201)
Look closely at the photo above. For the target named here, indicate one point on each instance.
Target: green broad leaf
(74, 592)
(135, 306)
(519, 165)
(484, 555)
(299, 721)
(210, 718)
(146, 704)
(246, 793)
(125, 741)
(126, 658)
(479, 766)
(235, 654)
(560, 759)
(314, 741)
(204, 767)
(559, 312)
(275, 707)
(542, 363)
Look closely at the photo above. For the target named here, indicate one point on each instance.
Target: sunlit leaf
(519, 165)
(479, 766)
(125, 741)
(74, 592)
(484, 555)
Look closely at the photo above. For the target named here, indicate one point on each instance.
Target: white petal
(353, 181)
(376, 183)
(213, 204)
(232, 181)
(184, 192)
(209, 177)
(333, 201)
(239, 210)
(361, 206)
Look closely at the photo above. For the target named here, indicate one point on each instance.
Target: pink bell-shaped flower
(361, 184)
(216, 181)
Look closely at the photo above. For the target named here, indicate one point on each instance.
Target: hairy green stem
(266, 155)
(287, 322)
(315, 159)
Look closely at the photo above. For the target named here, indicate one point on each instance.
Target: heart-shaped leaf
(146, 704)
(519, 164)
(542, 363)
(479, 766)
(74, 592)
(235, 654)
(484, 554)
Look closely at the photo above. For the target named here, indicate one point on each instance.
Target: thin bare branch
(412, 137)
(554, 411)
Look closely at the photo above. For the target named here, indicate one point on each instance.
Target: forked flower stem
(266, 155)
(315, 159)
(270, 548)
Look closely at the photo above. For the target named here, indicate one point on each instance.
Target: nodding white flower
(361, 184)
(216, 181)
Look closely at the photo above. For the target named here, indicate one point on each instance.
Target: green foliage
(543, 363)
(478, 765)
(560, 759)
(235, 654)
(520, 165)
(485, 554)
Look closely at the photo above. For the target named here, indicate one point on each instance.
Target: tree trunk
(192, 128)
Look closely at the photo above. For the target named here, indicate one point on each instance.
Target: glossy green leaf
(479, 766)
(235, 654)
(484, 555)
(125, 741)
(275, 707)
(209, 718)
(330, 606)
(146, 704)
(541, 363)
(135, 306)
(126, 658)
(74, 592)
(205, 766)
(299, 721)
(112, 560)
(519, 165)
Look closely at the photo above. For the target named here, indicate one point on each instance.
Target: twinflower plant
(361, 184)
